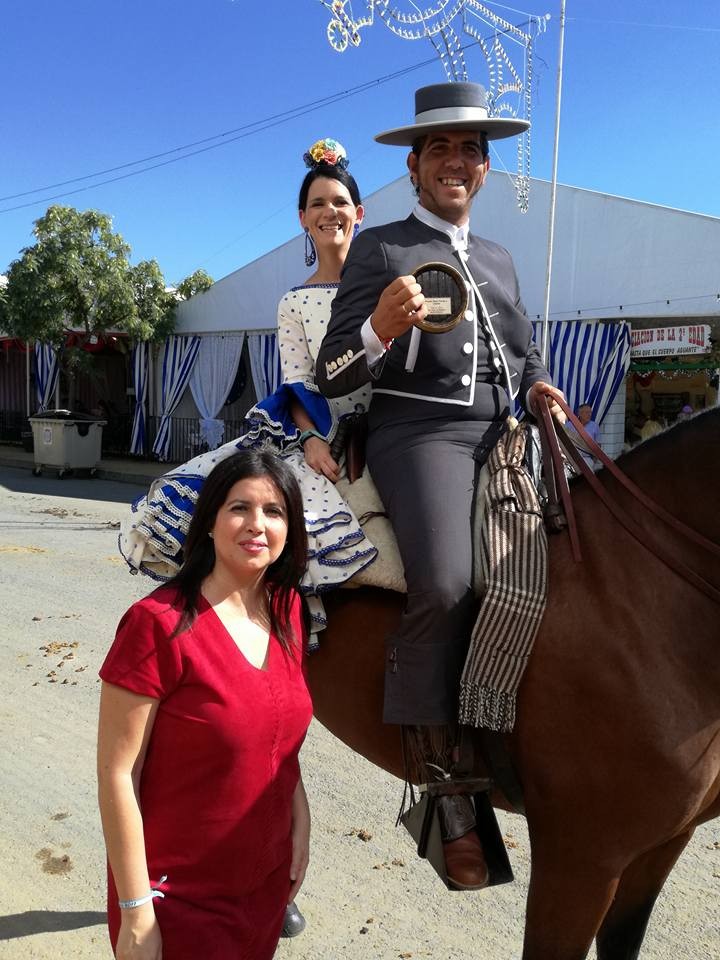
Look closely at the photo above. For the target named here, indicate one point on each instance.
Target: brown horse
(617, 742)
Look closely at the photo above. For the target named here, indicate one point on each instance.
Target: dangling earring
(310, 255)
(356, 229)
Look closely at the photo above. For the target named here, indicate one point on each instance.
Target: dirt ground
(366, 897)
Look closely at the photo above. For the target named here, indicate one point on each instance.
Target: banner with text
(670, 341)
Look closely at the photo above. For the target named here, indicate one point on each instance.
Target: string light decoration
(507, 52)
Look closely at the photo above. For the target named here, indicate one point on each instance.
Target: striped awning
(588, 361)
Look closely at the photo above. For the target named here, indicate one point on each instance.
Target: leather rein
(559, 500)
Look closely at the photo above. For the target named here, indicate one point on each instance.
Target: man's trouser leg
(427, 487)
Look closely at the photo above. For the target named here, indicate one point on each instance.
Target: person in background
(686, 412)
(651, 427)
(203, 711)
(584, 415)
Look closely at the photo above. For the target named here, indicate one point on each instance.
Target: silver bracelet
(139, 901)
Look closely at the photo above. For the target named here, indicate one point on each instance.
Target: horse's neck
(680, 470)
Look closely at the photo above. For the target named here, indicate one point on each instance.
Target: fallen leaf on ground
(361, 834)
(56, 646)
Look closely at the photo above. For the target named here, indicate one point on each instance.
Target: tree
(155, 305)
(197, 282)
(77, 278)
(3, 305)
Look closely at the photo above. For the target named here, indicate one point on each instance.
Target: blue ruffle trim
(270, 421)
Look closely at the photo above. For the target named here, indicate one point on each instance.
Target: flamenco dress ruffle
(152, 541)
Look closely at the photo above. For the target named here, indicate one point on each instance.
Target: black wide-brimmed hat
(452, 106)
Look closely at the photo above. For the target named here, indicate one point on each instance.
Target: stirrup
(422, 821)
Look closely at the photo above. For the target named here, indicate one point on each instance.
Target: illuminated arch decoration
(507, 52)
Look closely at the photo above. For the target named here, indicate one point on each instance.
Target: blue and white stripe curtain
(178, 361)
(264, 363)
(140, 369)
(588, 361)
(46, 373)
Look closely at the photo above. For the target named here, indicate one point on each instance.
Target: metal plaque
(446, 296)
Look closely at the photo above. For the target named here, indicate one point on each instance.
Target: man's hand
(318, 457)
(541, 389)
(401, 304)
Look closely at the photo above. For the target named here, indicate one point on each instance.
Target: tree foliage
(77, 276)
(197, 282)
(3, 307)
(155, 305)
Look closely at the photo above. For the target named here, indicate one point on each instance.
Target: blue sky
(91, 84)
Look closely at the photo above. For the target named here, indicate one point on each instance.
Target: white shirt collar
(458, 235)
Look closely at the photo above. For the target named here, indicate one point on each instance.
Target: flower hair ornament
(327, 151)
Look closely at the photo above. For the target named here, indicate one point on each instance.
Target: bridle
(560, 513)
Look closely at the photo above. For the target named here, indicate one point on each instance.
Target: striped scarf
(513, 562)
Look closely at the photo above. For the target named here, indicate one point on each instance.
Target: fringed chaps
(513, 560)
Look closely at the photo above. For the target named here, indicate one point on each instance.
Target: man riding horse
(439, 405)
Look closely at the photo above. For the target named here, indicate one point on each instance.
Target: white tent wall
(614, 259)
(612, 429)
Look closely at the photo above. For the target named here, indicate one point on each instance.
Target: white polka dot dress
(338, 548)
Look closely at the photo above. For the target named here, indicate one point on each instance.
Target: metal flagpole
(553, 193)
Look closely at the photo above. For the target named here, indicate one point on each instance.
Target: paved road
(63, 590)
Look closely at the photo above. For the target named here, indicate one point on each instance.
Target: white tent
(614, 258)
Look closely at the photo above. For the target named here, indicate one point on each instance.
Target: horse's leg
(567, 902)
(623, 929)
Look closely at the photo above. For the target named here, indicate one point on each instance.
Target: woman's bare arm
(126, 721)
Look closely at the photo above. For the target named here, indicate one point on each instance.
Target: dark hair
(420, 143)
(330, 172)
(282, 577)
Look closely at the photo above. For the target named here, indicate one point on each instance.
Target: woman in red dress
(203, 710)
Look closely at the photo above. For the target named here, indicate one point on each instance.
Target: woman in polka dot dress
(296, 419)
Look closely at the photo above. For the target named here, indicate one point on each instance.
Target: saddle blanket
(386, 570)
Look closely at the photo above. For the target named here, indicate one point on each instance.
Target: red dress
(218, 779)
